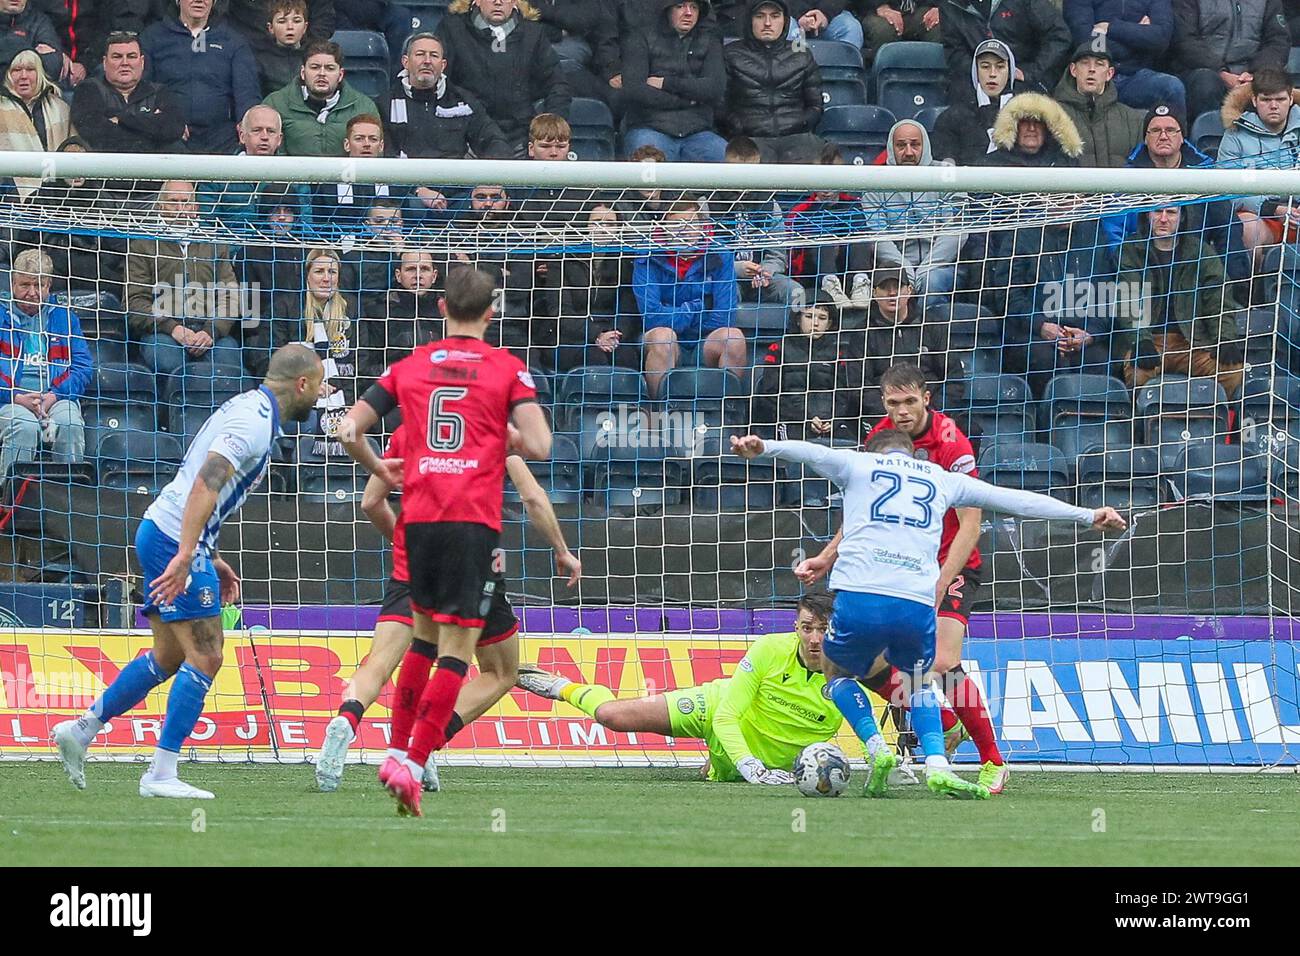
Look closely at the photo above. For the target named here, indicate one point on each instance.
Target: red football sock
(436, 708)
(411, 682)
(964, 695)
(949, 718)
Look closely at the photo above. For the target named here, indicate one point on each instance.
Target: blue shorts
(865, 625)
(202, 595)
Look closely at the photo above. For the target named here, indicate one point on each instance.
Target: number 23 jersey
(456, 396)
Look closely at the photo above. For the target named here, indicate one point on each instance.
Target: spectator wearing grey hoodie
(930, 256)
(963, 134)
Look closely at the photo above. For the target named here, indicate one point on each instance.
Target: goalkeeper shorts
(690, 715)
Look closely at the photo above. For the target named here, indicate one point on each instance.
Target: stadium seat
(1286, 471)
(723, 482)
(909, 76)
(138, 461)
(327, 478)
(122, 397)
(1173, 410)
(801, 487)
(366, 56)
(929, 116)
(1271, 399)
(1222, 472)
(999, 408)
(190, 400)
(1293, 65)
(1207, 130)
(638, 477)
(1029, 466)
(974, 338)
(844, 81)
(593, 130)
(763, 321)
(1125, 479)
(558, 476)
(107, 351)
(860, 131)
(1080, 412)
(709, 396)
(587, 391)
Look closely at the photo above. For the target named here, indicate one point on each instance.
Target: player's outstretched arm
(1027, 504)
(739, 695)
(202, 501)
(811, 570)
(542, 515)
(531, 437)
(834, 463)
(352, 432)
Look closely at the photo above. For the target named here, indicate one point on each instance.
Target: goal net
(1131, 342)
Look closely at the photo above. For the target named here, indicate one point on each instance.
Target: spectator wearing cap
(897, 331)
(427, 116)
(499, 52)
(23, 27)
(1219, 46)
(209, 67)
(963, 134)
(33, 116)
(45, 366)
(1033, 29)
(316, 107)
(899, 20)
(674, 81)
(1165, 145)
(774, 90)
(1138, 34)
(1086, 93)
(121, 112)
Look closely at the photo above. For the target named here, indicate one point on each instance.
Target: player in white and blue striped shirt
(176, 545)
(884, 580)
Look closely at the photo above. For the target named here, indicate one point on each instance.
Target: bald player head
(261, 131)
(294, 377)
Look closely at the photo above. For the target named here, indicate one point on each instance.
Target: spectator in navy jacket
(1137, 35)
(23, 27)
(45, 366)
(211, 70)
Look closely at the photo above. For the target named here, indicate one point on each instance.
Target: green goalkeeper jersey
(771, 708)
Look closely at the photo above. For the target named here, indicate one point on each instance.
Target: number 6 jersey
(893, 514)
(456, 396)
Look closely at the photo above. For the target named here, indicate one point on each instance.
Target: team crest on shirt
(206, 597)
(526, 377)
(921, 454)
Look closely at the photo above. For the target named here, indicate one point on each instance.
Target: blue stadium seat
(974, 338)
(999, 408)
(800, 487)
(324, 478)
(710, 394)
(138, 461)
(1030, 466)
(107, 351)
(1080, 412)
(1207, 131)
(908, 76)
(1125, 479)
(844, 80)
(929, 116)
(365, 58)
(1223, 472)
(1271, 399)
(765, 321)
(588, 390)
(1173, 410)
(558, 476)
(722, 482)
(191, 399)
(1286, 471)
(860, 131)
(638, 477)
(122, 397)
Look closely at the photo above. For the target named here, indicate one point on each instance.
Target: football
(821, 770)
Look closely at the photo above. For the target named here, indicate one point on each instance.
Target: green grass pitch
(273, 815)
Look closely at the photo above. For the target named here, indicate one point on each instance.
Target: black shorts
(501, 622)
(959, 600)
(454, 571)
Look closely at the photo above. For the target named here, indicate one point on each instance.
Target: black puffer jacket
(772, 88)
(695, 79)
(506, 82)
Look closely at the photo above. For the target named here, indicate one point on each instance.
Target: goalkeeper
(755, 723)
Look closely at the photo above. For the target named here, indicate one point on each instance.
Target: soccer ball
(821, 770)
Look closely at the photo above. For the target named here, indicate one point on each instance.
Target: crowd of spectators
(1031, 83)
